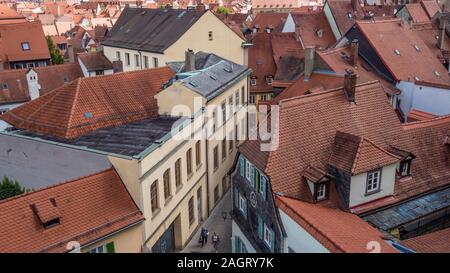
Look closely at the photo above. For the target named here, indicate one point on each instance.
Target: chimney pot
(189, 64)
(350, 84)
(354, 47)
(309, 61)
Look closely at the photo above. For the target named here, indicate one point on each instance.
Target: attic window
(321, 191)
(88, 115)
(405, 168)
(194, 84)
(417, 78)
(437, 74)
(5, 85)
(417, 48)
(66, 79)
(25, 46)
(259, 62)
(212, 76)
(397, 52)
(349, 15)
(253, 81)
(269, 80)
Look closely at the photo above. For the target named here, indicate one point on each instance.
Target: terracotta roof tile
(434, 242)
(387, 36)
(336, 230)
(13, 35)
(274, 20)
(16, 85)
(88, 104)
(417, 12)
(87, 208)
(260, 60)
(95, 61)
(54, 76)
(356, 154)
(417, 115)
(431, 7)
(314, 30)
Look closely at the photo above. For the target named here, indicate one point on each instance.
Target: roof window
(397, 52)
(25, 46)
(5, 85)
(437, 74)
(417, 48)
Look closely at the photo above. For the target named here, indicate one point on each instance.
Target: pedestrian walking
(204, 236)
(215, 241)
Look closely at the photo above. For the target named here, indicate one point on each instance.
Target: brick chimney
(309, 61)
(189, 62)
(354, 45)
(350, 84)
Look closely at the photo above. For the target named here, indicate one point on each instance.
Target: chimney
(309, 61)
(189, 63)
(355, 4)
(354, 45)
(442, 26)
(350, 84)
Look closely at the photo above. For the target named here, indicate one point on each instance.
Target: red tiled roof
(417, 115)
(308, 26)
(386, 36)
(275, 20)
(54, 76)
(434, 242)
(12, 37)
(336, 230)
(356, 155)
(95, 61)
(431, 7)
(260, 60)
(88, 209)
(17, 86)
(88, 104)
(417, 13)
(7, 13)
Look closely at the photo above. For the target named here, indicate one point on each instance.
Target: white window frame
(373, 181)
(242, 201)
(321, 192)
(253, 81)
(99, 249)
(406, 167)
(248, 167)
(267, 236)
(252, 99)
(263, 97)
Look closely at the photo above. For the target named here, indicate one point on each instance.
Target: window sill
(167, 201)
(155, 213)
(372, 192)
(178, 188)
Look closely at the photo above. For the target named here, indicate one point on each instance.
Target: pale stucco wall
(176, 98)
(110, 53)
(358, 186)
(236, 231)
(126, 241)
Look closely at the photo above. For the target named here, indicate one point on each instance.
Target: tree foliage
(57, 57)
(10, 188)
(223, 10)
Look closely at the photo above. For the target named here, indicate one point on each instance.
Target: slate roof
(13, 35)
(94, 61)
(88, 209)
(88, 104)
(336, 230)
(152, 30)
(434, 242)
(203, 60)
(215, 79)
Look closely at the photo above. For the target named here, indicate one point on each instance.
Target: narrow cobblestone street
(214, 223)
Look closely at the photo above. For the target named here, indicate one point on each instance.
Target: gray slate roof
(129, 140)
(409, 211)
(202, 60)
(152, 30)
(215, 79)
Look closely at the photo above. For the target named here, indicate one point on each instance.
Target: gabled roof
(356, 155)
(12, 37)
(261, 61)
(434, 242)
(85, 210)
(94, 61)
(390, 37)
(431, 7)
(13, 86)
(54, 76)
(417, 12)
(336, 230)
(273, 20)
(8, 14)
(88, 104)
(151, 30)
(308, 27)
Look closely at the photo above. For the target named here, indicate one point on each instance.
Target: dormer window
(25, 46)
(405, 168)
(253, 81)
(373, 182)
(321, 191)
(318, 182)
(269, 80)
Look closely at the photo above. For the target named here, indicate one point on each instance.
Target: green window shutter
(110, 247)
(242, 166)
(252, 174)
(236, 198)
(260, 228)
(263, 187)
(236, 244)
(256, 179)
(273, 241)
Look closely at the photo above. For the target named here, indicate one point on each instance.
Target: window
(136, 60)
(25, 46)
(268, 236)
(155, 62)
(253, 81)
(248, 170)
(243, 94)
(214, 118)
(224, 149)
(373, 181)
(216, 157)
(191, 211)
(252, 99)
(224, 112)
(5, 85)
(166, 180)
(216, 194)
(99, 72)
(405, 167)
(210, 35)
(127, 59)
(237, 98)
(239, 245)
(189, 161)
(99, 249)
(231, 103)
(230, 142)
(118, 55)
(321, 192)
(154, 195)
(243, 204)
(269, 80)
(198, 156)
(243, 128)
(224, 183)
(146, 61)
(263, 97)
(178, 172)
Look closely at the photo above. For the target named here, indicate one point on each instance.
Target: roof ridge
(72, 108)
(425, 123)
(374, 145)
(54, 185)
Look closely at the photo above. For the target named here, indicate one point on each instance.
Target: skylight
(397, 52)
(417, 48)
(437, 74)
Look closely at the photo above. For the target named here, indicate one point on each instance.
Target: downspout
(206, 164)
(140, 59)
